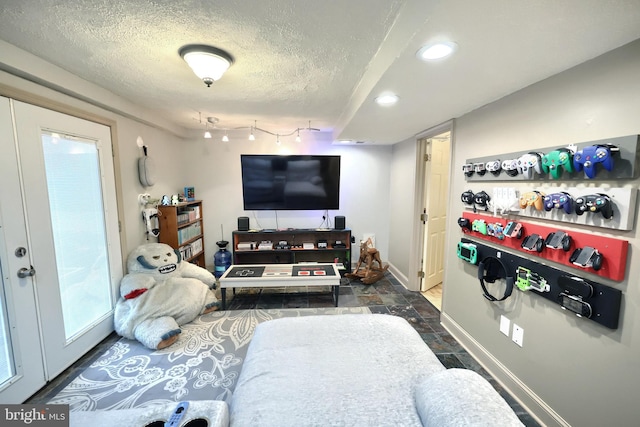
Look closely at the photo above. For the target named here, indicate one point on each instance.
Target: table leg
(336, 293)
(223, 292)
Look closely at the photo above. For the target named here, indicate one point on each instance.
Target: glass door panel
(77, 219)
(7, 370)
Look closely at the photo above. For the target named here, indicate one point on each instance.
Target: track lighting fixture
(252, 137)
(296, 132)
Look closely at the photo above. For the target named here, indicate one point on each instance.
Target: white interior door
(66, 178)
(21, 362)
(436, 195)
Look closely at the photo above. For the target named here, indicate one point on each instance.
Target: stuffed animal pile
(159, 293)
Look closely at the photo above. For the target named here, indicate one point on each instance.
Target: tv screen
(293, 182)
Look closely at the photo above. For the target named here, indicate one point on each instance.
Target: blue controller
(558, 201)
(588, 157)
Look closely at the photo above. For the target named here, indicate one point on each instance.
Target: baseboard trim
(543, 413)
(400, 277)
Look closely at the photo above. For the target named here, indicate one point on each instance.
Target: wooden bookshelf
(181, 227)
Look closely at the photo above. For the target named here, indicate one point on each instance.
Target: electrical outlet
(518, 335)
(505, 324)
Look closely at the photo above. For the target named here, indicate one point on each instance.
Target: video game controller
(588, 157)
(467, 197)
(494, 167)
(532, 198)
(554, 162)
(480, 168)
(482, 199)
(514, 230)
(511, 167)
(559, 201)
(467, 169)
(480, 226)
(464, 224)
(595, 203)
(529, 163)
(496, 230)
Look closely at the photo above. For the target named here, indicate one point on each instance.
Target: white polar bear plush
(160, 293)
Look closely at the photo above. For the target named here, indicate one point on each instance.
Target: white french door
(60, 257)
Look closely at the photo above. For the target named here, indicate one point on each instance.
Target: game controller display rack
(623, 202)
(622, 163)
(568, 290)
(292, 246)
(614, 251)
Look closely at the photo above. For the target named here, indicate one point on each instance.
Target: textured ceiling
(323, 61)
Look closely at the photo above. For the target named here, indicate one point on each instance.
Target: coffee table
(280, 275)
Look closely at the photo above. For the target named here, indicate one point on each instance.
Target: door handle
(26, 272)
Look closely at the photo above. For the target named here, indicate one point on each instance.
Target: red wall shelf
(614, 251)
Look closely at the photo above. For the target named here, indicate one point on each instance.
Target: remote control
(177, 414)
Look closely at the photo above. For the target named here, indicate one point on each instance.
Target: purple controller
(589, 156)
(558, 201)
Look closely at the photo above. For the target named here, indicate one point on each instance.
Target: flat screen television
(291, 182)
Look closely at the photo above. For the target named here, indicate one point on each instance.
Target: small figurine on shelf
(175, 199)
(165, 200)
(368, 256)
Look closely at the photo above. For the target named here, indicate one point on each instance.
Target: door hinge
(427, 157)
(424, 217)
(421, 274)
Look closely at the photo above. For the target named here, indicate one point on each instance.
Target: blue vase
(221, 259)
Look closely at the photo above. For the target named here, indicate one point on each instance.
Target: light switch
(518, 335)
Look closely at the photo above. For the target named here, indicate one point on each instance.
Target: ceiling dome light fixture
(436, 51)
(386, 100)
(207, 62)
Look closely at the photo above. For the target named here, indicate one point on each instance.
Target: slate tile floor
(387, 296)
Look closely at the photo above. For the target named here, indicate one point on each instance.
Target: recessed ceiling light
(386, 99)
(436, 51)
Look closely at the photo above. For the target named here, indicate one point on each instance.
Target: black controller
(595, 203)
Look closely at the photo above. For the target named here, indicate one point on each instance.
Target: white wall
(570, 369)
(213, 168)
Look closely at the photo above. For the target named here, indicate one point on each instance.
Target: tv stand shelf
(246, 251)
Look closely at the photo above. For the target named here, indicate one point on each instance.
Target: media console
(293, 246)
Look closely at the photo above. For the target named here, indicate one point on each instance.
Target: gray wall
(574, 369)
(401, 202)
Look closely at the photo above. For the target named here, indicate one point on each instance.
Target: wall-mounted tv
(292, 182)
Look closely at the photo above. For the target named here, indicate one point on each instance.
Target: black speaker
(340, 223)
(243, 223)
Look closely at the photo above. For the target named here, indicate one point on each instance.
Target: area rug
(204, 364)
